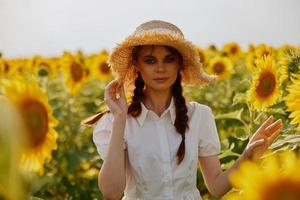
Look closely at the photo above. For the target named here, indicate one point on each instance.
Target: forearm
(112, 174)
(221, 184)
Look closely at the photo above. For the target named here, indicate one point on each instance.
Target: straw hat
(157, 32)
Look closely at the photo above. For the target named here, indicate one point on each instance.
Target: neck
(157, 101)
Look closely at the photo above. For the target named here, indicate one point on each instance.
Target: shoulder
(104, 123)
(198, 109)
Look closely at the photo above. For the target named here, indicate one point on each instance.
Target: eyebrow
(150, 56)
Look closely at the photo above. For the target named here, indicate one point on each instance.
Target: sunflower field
(46, 152)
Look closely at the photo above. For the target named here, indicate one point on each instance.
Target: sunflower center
(103, 67)
(6, 67)
(233, 50)
(44, 68)
(266, 53)
(282, 190)
(76, 71)
(218, 68)
(266, 84)
(87, 72)
(36, 121)
(20, 69)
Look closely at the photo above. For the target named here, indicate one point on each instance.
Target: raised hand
(114, 96)
(262, 138)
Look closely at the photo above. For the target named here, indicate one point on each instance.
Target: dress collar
(171, 109)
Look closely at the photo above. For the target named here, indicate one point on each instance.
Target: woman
(151, 148)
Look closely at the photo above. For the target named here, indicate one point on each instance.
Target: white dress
(151, 144)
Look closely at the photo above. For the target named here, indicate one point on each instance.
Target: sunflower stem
(251, 117)
(247, 126)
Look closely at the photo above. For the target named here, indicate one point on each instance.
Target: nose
(160, 67)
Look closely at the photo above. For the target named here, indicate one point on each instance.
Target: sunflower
(23, 68)
(289, 62)
(212, 50)
(265, 84)
(275, 177)
(203, 56)
(292, 100)
(100, 67)
(73, 67)
(43, 66)
(281, 51)
(20, 67)
(250, 62)
(251, 48)
(264, 50)
(233, 50)
(221, 66)
(12, 67)
(37, 120)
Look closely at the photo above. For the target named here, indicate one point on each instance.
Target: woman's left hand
(262, 138)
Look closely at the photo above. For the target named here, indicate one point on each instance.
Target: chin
(165, 86)
(160, 86)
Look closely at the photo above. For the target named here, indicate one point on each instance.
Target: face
(158, 67)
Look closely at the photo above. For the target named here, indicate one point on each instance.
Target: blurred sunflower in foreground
(292, 100)
(12, 185)
(37, 122)
(265, 88)
(275, 177)
(221, 66)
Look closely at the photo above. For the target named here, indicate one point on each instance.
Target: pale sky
(48, 27)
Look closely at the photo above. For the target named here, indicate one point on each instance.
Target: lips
(162, 78)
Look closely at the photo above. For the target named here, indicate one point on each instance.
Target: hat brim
(120, 59)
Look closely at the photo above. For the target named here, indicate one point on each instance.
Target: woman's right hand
(114, 97)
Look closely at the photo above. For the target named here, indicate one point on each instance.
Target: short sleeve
(102, 134)
(209, 142)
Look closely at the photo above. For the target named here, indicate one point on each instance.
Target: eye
(170, 59)
(149, 60)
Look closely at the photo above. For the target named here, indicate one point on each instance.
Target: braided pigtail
(181, 121)
(135, 108)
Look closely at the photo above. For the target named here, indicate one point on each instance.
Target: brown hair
(135, 108)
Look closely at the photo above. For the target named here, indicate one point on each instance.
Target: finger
(113, 82)
(122, 90)
(273, 127)
(274, 135)
(111, 87)
(266, 123)
(251, 149)
(256, 143)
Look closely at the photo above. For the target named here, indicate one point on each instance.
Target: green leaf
(286, 140)
(239, 98)
(232, 115)
(228, 153)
